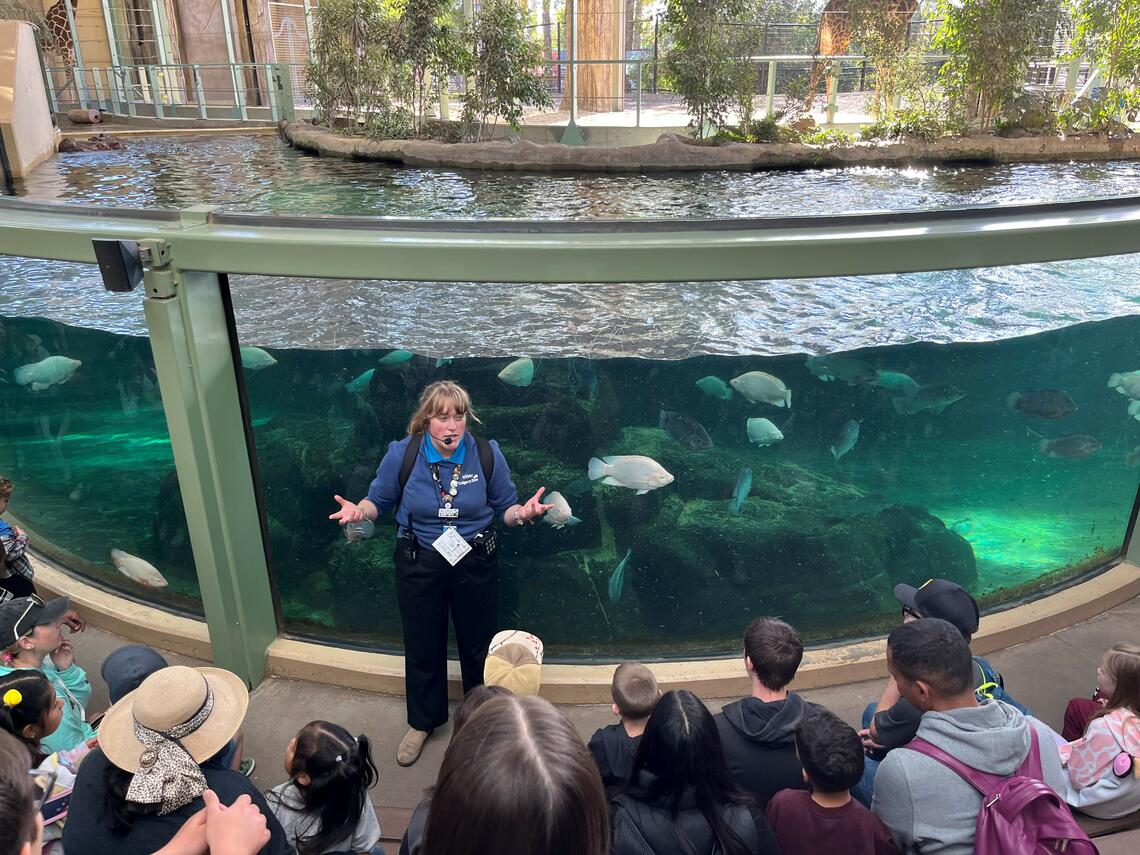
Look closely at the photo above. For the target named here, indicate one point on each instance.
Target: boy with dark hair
(928, 807)
(15, 569)
(635, 693)
(827, 819)
(758, 732)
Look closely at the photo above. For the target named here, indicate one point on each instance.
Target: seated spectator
(758, 732)
(413, 839)
(1080, 711)
(15, 569)
(157, 754)
(893, 721)
(635, 693)
(514, 661)
(827, 819)
(681, 797)
(927, 807)
(32, 634)
(21, 829)
(324, 806)
(1102, 764)
(517, 778)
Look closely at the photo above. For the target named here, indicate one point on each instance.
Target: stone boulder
(96, 142)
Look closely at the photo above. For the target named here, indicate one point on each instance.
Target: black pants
(427, 589)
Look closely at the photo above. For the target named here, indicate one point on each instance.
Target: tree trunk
(600, 26)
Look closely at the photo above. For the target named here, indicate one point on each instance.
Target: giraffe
(835, 37)
(57, 37)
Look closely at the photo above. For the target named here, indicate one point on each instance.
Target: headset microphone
(447, 440)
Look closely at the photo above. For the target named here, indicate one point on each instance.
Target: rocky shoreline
(672, 152)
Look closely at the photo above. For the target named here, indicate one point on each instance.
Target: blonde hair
(435, 400)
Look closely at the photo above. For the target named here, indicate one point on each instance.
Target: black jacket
(613, 751)
(759, 744)
(641, 827)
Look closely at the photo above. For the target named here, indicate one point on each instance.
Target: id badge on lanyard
(449, 544)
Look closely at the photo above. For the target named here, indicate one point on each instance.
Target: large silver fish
(936, 397)
(255, 359)
(560, 515)
(630, 470)
(137, 570)
(518, 373)
(1070, 446)
(1126, 383)
(846, 368)
(848, 436)
(689, 432)
(52, 371)
(759, 387)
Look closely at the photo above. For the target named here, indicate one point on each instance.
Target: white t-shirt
(298, 825)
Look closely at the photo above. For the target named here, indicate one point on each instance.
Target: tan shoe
(411, 746)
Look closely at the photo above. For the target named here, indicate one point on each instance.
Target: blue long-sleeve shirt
(479, 503)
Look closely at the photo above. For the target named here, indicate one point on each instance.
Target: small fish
(137, 570)
(518, 373)
(617, 578)
(129, 403)
(715, 386)
(560, 515)
(936, 397)
(585, 375)
(896, 383)
(1042, 403)
(361, 530)
(1132, 458)
(443, 360)
(848, 436)
(741, 490)
(1127, 384)
(1070, 446)
(759, 387)
(629, 470)
(689, 432)
(762, 432)
(52, 371)
(255, 359)
(78, 494)
(846, 368)
(360, 383)
(396, 357)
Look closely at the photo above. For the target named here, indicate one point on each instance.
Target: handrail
(591, 251)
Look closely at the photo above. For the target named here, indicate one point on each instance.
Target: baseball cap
(514, 661)
(20, 616)
(126, 668)
(941, 598)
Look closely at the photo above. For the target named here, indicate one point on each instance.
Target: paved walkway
(1042, 674)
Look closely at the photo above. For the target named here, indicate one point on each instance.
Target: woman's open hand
(534, 508)
(349, 511)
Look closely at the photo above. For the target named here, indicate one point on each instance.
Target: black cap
(940, 598)
(125, 669)
(20, 616)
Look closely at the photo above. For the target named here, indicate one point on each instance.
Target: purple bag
(1021, 814)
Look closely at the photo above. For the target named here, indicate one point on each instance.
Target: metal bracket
(159, 278)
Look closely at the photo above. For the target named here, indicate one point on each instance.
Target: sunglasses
(44, 783)
(33, 601)
(909, 612)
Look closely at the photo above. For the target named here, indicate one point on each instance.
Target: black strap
(486, 461)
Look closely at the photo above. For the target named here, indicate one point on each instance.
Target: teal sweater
(72, 688)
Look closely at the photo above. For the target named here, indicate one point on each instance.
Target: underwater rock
(362, 578)
(95, 142)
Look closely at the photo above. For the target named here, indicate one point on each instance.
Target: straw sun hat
(167, 699)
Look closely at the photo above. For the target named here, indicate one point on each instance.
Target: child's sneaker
(247, 766)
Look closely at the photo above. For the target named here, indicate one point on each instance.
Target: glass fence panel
(84, 437)
(1008, 465)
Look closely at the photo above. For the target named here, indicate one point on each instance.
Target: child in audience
(31, 633)
(827, 819)
(325, 807)
(1102, 774)
(635, 693)
(1080, 711)
(31, 712)
(681, 797)
(15, 569)
(20, 830)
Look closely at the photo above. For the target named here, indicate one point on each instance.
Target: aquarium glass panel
(999, 452)
(84, 436)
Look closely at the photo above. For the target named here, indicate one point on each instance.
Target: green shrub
(909, 123)
(390, 123)
(829, 138)
(770, 130)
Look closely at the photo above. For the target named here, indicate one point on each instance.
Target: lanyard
(446, 497)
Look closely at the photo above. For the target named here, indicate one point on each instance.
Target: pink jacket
(1091, 756)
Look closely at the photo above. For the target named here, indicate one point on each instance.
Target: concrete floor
(1042, 674)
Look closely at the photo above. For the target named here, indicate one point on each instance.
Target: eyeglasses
(909, 612)
(33, 600)
(44, 782)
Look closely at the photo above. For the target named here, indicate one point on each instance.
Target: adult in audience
(157, 754)
(758, 732)
(893, 721)
(517, 779)
(21, 829)
(928, 807)
(681, 798)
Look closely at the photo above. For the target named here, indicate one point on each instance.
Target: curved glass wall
(85, 441)
(1007, 465)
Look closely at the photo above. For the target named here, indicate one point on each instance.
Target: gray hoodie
(927, 807)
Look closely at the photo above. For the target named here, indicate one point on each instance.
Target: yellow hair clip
(13, 698)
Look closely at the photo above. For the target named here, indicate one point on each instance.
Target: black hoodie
(613, 751)
(759, 744)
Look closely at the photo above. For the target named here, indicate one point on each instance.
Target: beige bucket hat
(168, 699)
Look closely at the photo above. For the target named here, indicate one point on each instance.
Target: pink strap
(984, 782)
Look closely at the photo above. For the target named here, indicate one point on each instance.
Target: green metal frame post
(189, 334)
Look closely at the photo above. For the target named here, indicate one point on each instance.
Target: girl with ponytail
(324, 806)
(29, 709)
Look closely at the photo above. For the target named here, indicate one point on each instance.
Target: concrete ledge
(672, 153)
(586, 683)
